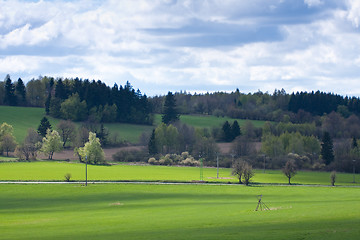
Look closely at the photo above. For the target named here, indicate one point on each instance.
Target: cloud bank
(197, 46)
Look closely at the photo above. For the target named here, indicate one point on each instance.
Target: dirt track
(69, 154)
(225, 148)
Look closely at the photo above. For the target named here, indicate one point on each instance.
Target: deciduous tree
(74, 109)
(238, 169)
(92, 150)
(7, 143)
(51, 143)
(31, 145)
(67, 131)
(247, 173)
(290, 169)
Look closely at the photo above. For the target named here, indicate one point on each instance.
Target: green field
(208, 121)
(133, 211)
(55, 171)
(23, 118)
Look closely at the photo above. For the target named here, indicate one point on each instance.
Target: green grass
(7, 159)
(23, 118)
(130, 211)
(208, 121)
(55, 171)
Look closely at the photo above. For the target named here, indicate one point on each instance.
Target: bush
(318, 166)
(174, 159)
(152, 161)
(67, 177)
(190, 161)
(131, 156)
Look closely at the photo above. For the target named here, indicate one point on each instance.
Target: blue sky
(197, 46)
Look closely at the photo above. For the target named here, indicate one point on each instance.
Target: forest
(317, 130)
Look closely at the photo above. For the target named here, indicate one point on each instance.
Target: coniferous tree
(47, 104)
(20, 92)
(152, 144)
(60, 90)
(44, 126)
(327, 148)
(228, 136)
(235, 129)
(354, 143)
(170, 112)
(9, 98)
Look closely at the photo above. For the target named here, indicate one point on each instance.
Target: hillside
(23, 118)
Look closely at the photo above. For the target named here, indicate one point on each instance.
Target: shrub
(67, 177)
(184, 155)
(131, 156)
(318, 166)
(152, 161)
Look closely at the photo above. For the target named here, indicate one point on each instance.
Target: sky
(191, 45)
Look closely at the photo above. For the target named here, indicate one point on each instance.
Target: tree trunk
(289, 181)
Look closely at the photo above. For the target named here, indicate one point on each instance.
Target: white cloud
(111, 40)
(16, 64)
(314, 3)
(354, 12)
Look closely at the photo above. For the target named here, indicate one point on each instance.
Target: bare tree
(333, 178)
(67, 130)
(242, 146)
(8, 143)
(238, 168)
(242, 170)
(30, 147)
(290, 169)
(247, 173)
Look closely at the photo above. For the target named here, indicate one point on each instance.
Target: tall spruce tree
(170, 112)
(44, 126)
(9, 98)
(20, 92)
(152, 144)
(327, 148)
(228, 135)
(235, 129)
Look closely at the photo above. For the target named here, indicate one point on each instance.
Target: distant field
(23, 118)
(206, 121)
(133, 211)
(55, 171)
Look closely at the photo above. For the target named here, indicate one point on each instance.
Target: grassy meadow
(145, 211)
(55, 171)
(23, 118)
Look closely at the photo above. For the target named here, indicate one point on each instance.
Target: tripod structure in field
(261, 204)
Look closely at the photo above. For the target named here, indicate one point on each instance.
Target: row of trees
(49, 143)
(78, 100)
(296, 107)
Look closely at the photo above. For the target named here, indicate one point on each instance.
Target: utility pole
(201, 167)
(217, 165)
(85, 170)
(264, 162)
(354, 171)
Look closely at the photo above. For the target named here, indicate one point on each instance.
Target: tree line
(49, 141)
(79, 100)
(279, 106)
